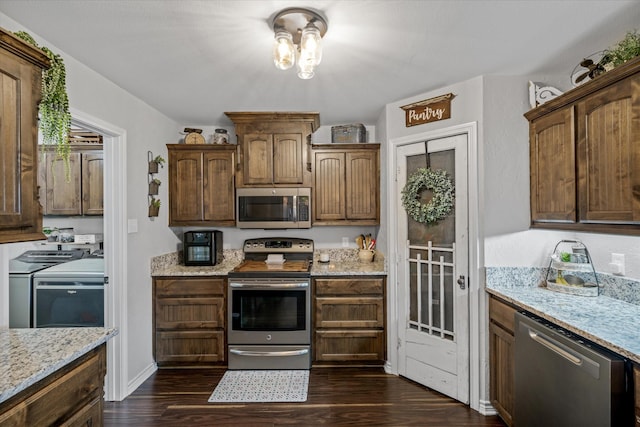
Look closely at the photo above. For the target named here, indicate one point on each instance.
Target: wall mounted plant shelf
(154, 183)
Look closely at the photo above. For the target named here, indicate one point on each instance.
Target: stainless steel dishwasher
(561, 380)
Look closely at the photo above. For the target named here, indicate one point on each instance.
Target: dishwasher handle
(551, 345)
(579, 359)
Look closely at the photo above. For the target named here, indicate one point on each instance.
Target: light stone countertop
(609, 322)
(29, 355)
(342, 262)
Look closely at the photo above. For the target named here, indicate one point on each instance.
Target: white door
(432, 296)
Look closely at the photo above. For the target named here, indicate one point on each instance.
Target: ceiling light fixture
(298, 38)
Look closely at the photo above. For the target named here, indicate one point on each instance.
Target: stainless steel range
(270, 305)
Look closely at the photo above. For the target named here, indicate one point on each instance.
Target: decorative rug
(262, 386)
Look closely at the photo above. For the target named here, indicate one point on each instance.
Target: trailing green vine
(55, 118)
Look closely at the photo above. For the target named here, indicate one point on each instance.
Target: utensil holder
(366, 255)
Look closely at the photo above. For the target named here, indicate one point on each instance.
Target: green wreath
(441, 203)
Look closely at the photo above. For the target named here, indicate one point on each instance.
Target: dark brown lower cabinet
(501, 354)
(71, 396)
(349, 320)
(636, 382)
(189, 320)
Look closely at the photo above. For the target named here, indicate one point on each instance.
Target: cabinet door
(362, 185)
(219, 196)
(185, 187)
(288, 159)
(63, 195)
(20, 79)
(346, 184)
(92, 183)
(609, 154)
(636, 376)
(329, 186)
(257, 159)
(501, 358)
(552, 168)
(501, 348)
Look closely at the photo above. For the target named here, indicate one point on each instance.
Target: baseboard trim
(486, 408)
(141, 377)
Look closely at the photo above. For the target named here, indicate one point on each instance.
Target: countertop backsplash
(621, 288)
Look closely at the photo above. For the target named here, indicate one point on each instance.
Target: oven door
(269, 311)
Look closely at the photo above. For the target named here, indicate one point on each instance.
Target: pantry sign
(429, 110)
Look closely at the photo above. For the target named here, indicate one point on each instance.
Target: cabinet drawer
(181, 286)
(90, 415)
(502, 314)
(189, 313)
(353, 345)
(349, 312)
(190, 346)
(60, 399)
(369, 286)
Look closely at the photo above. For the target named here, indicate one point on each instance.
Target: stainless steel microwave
(273, 207)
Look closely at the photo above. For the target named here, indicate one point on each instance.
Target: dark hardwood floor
(336, 397)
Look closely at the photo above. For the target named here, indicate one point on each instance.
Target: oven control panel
(278, 245)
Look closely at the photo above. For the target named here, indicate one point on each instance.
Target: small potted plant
(154, 207)
(154, 186)
(626, 49)
(153, 164)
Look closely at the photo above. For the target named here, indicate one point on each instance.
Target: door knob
(461, 282)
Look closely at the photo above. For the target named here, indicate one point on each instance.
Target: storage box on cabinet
(501, 354)
(348, 134)
(189, 320)
(585, 155)
(349, 318)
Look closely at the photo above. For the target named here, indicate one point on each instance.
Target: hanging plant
(441, 202)
(55, 118)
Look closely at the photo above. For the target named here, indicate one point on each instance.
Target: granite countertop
(29, 355)
(342, 262)
(609, 322)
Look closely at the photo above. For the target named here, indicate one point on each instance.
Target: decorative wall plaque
(429, 110)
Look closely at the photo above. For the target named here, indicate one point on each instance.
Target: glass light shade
(305, 67)
(311, 43)
(284, 52)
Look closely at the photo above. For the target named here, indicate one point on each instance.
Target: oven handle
(269, 353)
(269, 286)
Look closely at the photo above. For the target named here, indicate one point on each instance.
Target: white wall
(146, 129)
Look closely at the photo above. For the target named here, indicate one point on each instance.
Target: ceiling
(193, 60)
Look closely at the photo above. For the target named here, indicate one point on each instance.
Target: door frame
(115, 232)
(475, 281)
